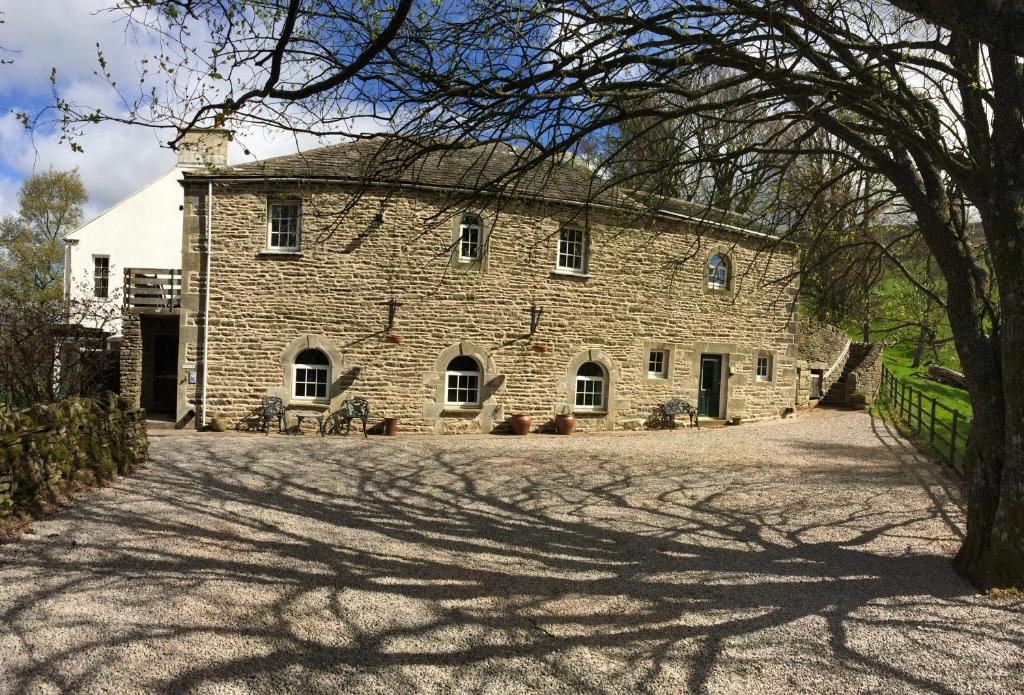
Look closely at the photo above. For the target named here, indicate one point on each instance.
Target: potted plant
(390, 426)
(219, 424)
(521, 423)
(565, 421)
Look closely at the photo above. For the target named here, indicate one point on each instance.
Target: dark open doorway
(165, 374)
(160, 366)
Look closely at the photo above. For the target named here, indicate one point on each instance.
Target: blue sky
(43, 34)
(118, 159)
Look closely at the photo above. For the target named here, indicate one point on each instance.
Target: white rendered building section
(141, 231)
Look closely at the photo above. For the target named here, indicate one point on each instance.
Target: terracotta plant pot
(219, 424)
(390, 426)
(565, 424)
(521, 423)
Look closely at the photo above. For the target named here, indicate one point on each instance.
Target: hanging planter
(394, 339)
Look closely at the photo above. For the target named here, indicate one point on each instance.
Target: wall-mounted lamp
(535, 313)
(392, 305)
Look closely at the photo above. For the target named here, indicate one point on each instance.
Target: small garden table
(301, 415)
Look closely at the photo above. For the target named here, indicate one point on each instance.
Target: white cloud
(62, 34)
(8, 195)
(117, 160)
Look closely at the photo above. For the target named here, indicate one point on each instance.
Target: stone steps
(839, 391)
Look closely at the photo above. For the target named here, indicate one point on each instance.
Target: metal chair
(272, 407)
(351, 409)
(677, 406)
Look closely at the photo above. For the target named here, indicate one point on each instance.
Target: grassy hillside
(900, 303)
(948, 395)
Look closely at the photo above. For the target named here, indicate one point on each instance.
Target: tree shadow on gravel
(381, 564)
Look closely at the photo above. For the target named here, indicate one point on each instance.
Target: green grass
(950, 396)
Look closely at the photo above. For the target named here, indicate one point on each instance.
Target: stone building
(344, 272)
(131, 253)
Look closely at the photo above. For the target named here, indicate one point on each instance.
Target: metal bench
(351, 409)
(677, 406)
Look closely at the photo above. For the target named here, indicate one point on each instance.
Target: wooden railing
(920, 413)
(152, 288)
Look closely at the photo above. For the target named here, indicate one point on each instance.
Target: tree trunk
(977, 558)
(926, 334)
(923, 337)
(993, 552)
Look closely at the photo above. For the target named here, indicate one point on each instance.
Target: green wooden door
(709, 395)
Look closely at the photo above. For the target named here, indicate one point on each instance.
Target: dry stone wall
(645, 287)
(819, 342)
(46, 447)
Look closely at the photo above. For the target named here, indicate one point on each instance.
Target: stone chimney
(202, 147)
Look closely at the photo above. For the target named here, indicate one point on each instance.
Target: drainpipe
(206, 297)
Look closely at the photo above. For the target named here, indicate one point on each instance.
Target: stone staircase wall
(820, 347)
(861, 377)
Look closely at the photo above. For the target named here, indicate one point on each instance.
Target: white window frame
(601, 383)
(271, 217)
(564, 240)
(325, 368)
(767, 376)
(96, 278)
(460, 374)
(661, 373)
(713, 280)
(471, 222)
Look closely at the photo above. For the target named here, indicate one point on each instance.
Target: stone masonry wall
(47, 446)
(131, 358)
(646, 287)
(819, 342)
(820, 347)
(865, 380)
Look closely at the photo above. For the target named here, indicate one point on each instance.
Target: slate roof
(488, 169)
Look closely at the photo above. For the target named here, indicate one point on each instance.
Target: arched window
(471, 242)
(590, 386)
(462, 382)
(718, 272)
(312, 375)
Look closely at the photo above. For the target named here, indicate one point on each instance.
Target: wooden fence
(919, 412)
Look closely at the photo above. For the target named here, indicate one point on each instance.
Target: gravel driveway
(806, 555)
